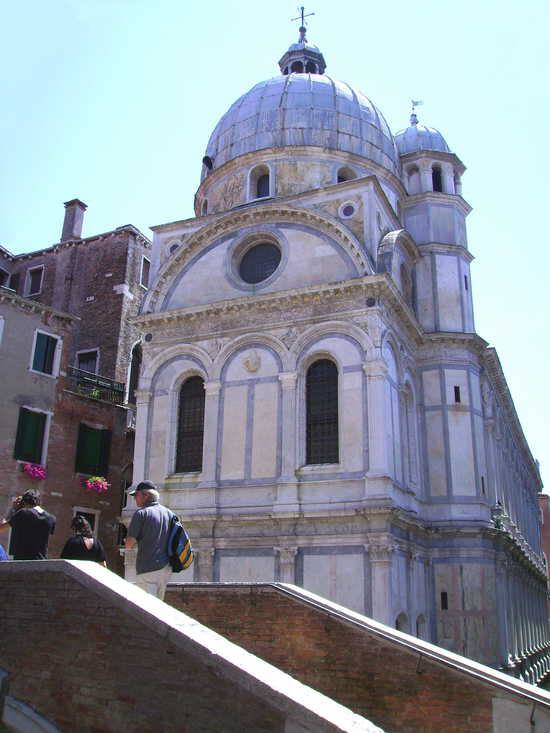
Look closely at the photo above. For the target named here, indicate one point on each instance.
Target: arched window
(262, 186)
(406, 284)
(204, 208)
(190, 426)
(259, 183)
(421, 627)
(135, 366)
(345, 174)
(322, 412)
(437, 179)
(413, 180)
(311, 68)
(297, 67)
(402, 622)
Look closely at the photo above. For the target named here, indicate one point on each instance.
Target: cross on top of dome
(302, 28)
(302, 57)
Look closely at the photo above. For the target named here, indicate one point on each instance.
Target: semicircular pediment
(315, 249)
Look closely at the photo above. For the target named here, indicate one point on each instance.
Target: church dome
(306, 110)
(418, 137)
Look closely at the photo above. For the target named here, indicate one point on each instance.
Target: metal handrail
(95, 386)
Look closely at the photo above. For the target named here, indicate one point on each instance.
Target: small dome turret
(302, 58)
(418, 137)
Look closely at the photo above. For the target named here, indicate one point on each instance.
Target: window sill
(184, 474)
(43, 374)
(320, 468)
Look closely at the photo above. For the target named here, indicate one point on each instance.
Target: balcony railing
(94, 386)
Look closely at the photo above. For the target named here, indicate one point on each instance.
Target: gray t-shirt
(150, 526)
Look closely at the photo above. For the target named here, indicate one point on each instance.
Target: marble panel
(234, 432)
(264, 431)
(338, 577)
(461, 453)
(436, 453)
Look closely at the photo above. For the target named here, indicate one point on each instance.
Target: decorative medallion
(252, 362)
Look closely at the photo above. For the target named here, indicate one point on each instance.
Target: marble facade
(429, 521)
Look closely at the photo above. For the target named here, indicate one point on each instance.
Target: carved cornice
(440, 248)
(437, 198)
(237, 220)
(430, 155)
(379, 287)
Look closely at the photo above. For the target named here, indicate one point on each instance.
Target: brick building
(69, 358)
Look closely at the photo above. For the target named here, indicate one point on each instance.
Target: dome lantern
(302, 57)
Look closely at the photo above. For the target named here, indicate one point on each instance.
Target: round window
(259, 262)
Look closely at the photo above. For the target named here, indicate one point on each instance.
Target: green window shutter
(39, 352)
(44, 353)
(50, 354)
(30, 436)
(92, 451)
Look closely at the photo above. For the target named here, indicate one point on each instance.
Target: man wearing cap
(149, 528)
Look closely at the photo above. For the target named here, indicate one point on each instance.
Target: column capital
(143, 396)
(287, 554)
(375, 368)
(288, 379)
(212, 388)
(381, 553)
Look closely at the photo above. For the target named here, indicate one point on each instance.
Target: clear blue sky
(112, 101)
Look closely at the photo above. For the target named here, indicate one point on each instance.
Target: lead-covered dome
(418, 137)
(306, 110)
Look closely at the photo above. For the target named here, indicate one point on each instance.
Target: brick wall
(63, 490)
(80, 277)
(394, 687)
(92, 653)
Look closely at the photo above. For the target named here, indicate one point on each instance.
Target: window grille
(262, 186)
(322, 413)
(260, 262)
(190, 426)
(87, 361)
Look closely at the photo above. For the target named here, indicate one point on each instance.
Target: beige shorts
(154, 582)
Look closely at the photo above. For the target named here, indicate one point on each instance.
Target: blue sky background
(113, 101)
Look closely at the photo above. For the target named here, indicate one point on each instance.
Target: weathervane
(302, 28)
(414, 104)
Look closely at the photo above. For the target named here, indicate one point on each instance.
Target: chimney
(74, 216)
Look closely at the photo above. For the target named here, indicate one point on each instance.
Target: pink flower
(34, 470)
(97, 484)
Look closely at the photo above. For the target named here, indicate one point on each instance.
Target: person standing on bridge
(150, 529)
(31, 527)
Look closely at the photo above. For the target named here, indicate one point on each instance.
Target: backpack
(180, 552)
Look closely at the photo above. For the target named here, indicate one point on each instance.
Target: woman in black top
(83, 545)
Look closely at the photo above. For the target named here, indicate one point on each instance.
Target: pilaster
(381, 557)
(378, 423)
(143, 401)
(287, 486)
(287, 564)
(210, 447)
